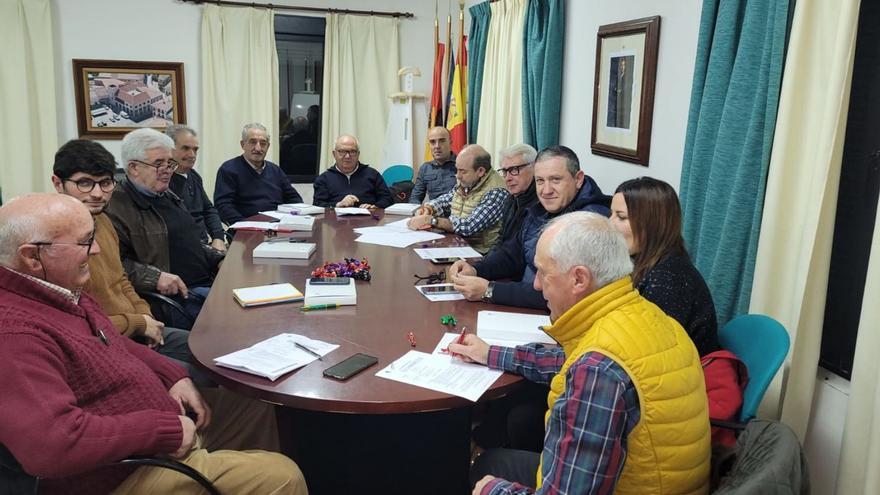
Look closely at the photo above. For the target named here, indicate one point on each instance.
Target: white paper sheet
(352, 211)
(275, 356)
(402, 209)
(439, 296)
(448, 337)
(442, 374)
(389, 228)
(515, 328)
(398, 239)
(447, 252)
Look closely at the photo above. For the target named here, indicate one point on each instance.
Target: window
(300, 44)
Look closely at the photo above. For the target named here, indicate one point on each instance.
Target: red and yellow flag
(456, 120)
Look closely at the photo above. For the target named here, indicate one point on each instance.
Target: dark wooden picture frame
(620, 129)
(114, 97)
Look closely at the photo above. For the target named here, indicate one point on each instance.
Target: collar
(577, 321)
(70, 295)
(143, 190)
(258, 170)
(142, 199)
(451, 160)
(358, 167)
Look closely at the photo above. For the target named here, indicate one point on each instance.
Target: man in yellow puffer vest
(628, 409)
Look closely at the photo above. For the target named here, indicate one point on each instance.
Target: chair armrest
(174, 466)
(174, 305)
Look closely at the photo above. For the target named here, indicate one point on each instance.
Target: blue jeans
(192, 305)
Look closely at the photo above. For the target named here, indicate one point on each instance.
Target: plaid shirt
(484, 215)
(585, 443)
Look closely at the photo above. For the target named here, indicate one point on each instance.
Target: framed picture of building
(623, 92)
(114, 97)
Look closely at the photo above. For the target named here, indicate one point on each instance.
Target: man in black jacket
(349, 182)
(518, 170)
(562, 187)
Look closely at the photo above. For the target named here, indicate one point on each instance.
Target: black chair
(164, 308)
(15, 481)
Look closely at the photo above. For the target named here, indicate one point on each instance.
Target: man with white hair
(77, 395)
(249, 183)
(517, 168)
(628, 408)
(159, 241)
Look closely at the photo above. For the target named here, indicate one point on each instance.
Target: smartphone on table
(439, 289)
(350, 366)
(445, 261)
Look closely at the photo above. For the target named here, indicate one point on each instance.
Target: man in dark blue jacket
(248, 183)
(562, 187)
(349, 182)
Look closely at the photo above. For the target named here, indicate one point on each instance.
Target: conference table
(366, 434)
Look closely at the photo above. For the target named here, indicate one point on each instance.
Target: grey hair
(571, 159)
(588, 239)
(16, 230)
(253, 125)
(136, 143)
(524, 151)
(175, 130)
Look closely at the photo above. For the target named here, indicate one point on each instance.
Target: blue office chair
(397, 173)
(762, 344)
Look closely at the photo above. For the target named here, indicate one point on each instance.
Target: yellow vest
(668, 450)
(462, 206)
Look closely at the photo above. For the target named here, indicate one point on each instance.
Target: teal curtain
(543, 42)
(480, 16)
(735, 94)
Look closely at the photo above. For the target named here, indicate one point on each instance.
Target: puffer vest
(668, 450)
(463, 205)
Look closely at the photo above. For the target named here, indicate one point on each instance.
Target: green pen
(319, 306)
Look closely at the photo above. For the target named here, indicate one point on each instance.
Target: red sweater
(69, 402)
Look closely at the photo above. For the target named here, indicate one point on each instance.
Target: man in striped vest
(628, 409)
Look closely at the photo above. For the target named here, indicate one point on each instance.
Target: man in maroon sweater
(76, 394)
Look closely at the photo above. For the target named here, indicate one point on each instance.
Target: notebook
(330, 294)
(284, 248)
(267, 294)
(296, 222)
(402, 208)
(300, 209)
(514, 328)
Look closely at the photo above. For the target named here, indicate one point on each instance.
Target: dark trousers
(515, 421)
(192, 305)
(520, 466)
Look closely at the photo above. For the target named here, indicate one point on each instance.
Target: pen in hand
(313, 353)
(460, 339)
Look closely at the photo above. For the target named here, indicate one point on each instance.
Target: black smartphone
(330, 281)
(350, 366)
(440, 289)
(444, 261)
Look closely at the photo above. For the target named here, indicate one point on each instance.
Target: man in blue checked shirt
(472, 209)
(628, 409)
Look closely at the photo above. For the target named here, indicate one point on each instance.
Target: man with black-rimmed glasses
(518, 170)
(158, 239)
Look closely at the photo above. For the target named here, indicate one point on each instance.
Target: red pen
(460, 339)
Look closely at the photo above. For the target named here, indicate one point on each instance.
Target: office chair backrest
(762, 344)
(397, 173)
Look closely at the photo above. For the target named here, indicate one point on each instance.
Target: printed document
(447, 252)
(440, 373)
(275, 356)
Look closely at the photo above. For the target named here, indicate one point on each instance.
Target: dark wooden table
(366, 434)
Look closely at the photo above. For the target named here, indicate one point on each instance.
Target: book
(513, 328)
(300, 209)
(284, 248)
(296, 222)
(402, 208)
(351, 211)
(301, 224)
(344, 295)
(267, 294)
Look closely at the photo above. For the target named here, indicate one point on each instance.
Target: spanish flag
(456, 120)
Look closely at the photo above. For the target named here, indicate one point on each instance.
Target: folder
(267, 294)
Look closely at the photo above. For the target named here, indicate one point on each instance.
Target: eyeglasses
(169, 165)
(88, 185)
(513, 171)
(348, 152)
(431, 278)
(87, 243)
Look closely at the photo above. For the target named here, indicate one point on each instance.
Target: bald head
(346, 152)
(476, 157)
(61, 227)
(440, 142)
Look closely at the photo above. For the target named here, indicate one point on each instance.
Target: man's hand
(153, 332)
(460, 267)
(421, 222)
(348, 200)
(185, 393)
(170, 284)
(219, 245)
(189, 438)
(424, 210)
(470, 286)
(367, 206)
(472, 349)
(483, 482)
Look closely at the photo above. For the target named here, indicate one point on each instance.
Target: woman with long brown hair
(647, 212)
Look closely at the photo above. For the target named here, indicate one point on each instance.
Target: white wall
(825, 430)
(679, 26)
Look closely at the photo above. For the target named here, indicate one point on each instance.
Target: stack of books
(285, 248)
(300, 209)
(343, 295)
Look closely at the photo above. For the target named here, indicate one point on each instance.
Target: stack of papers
(285, 248)
(352, 211)
(448, 252)
(513, 329)
(402, 209)
(441, 373)
(344, 295)
(288, 224)
(276, 356)
(394, 234)
(300, 209)
(266, 294)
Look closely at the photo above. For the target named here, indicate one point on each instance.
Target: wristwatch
(433, 221)
(487, 296)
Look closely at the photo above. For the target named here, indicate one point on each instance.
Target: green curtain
(543, 42)
(735, 94)
(480, 16)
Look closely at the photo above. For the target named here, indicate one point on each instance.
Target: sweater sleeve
(212, 218)
(224, 196)
(506, 261)
(288, 193)
(322, 193)
(519, 294)
(38, 402)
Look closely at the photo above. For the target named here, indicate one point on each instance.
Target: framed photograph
(114, 97)
(623, 95)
